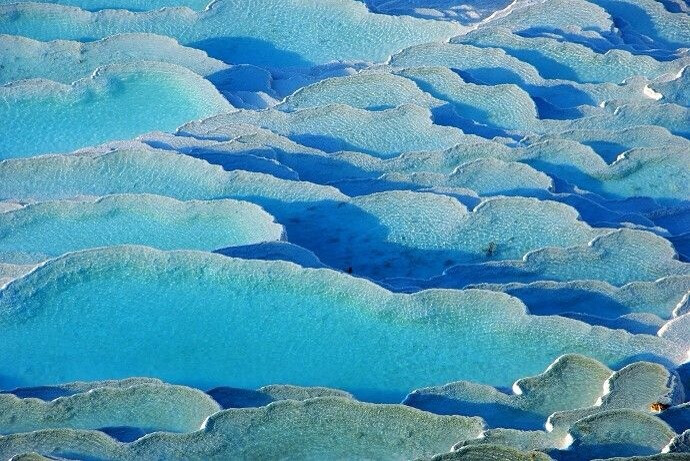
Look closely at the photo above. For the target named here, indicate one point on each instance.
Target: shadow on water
(495, 414)
(644, 357)
(328, 143)
(312, 168)
(274, 251)
(249, 50)
(246, 162)
(235, 397)
(557, 101)
(463, 116)
(40, 392)
(540, 301)
(628, 324)
(547, 67)
(547, 110)
(681, 244)
(340, 233)
(599, 44)
(241, 77)
(597, 207)
(634, 20)
(126, 434)
(607, 150)
(602, 450)
(489, 75)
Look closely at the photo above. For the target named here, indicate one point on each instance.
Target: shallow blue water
(131, 5)
(42, 117)
(298, 311)
(256, 216)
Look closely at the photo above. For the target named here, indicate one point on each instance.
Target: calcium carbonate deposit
(345, 229)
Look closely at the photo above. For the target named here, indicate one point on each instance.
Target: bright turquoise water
(225, 226)
(41, 116)
(53, 228)
(121, 300)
